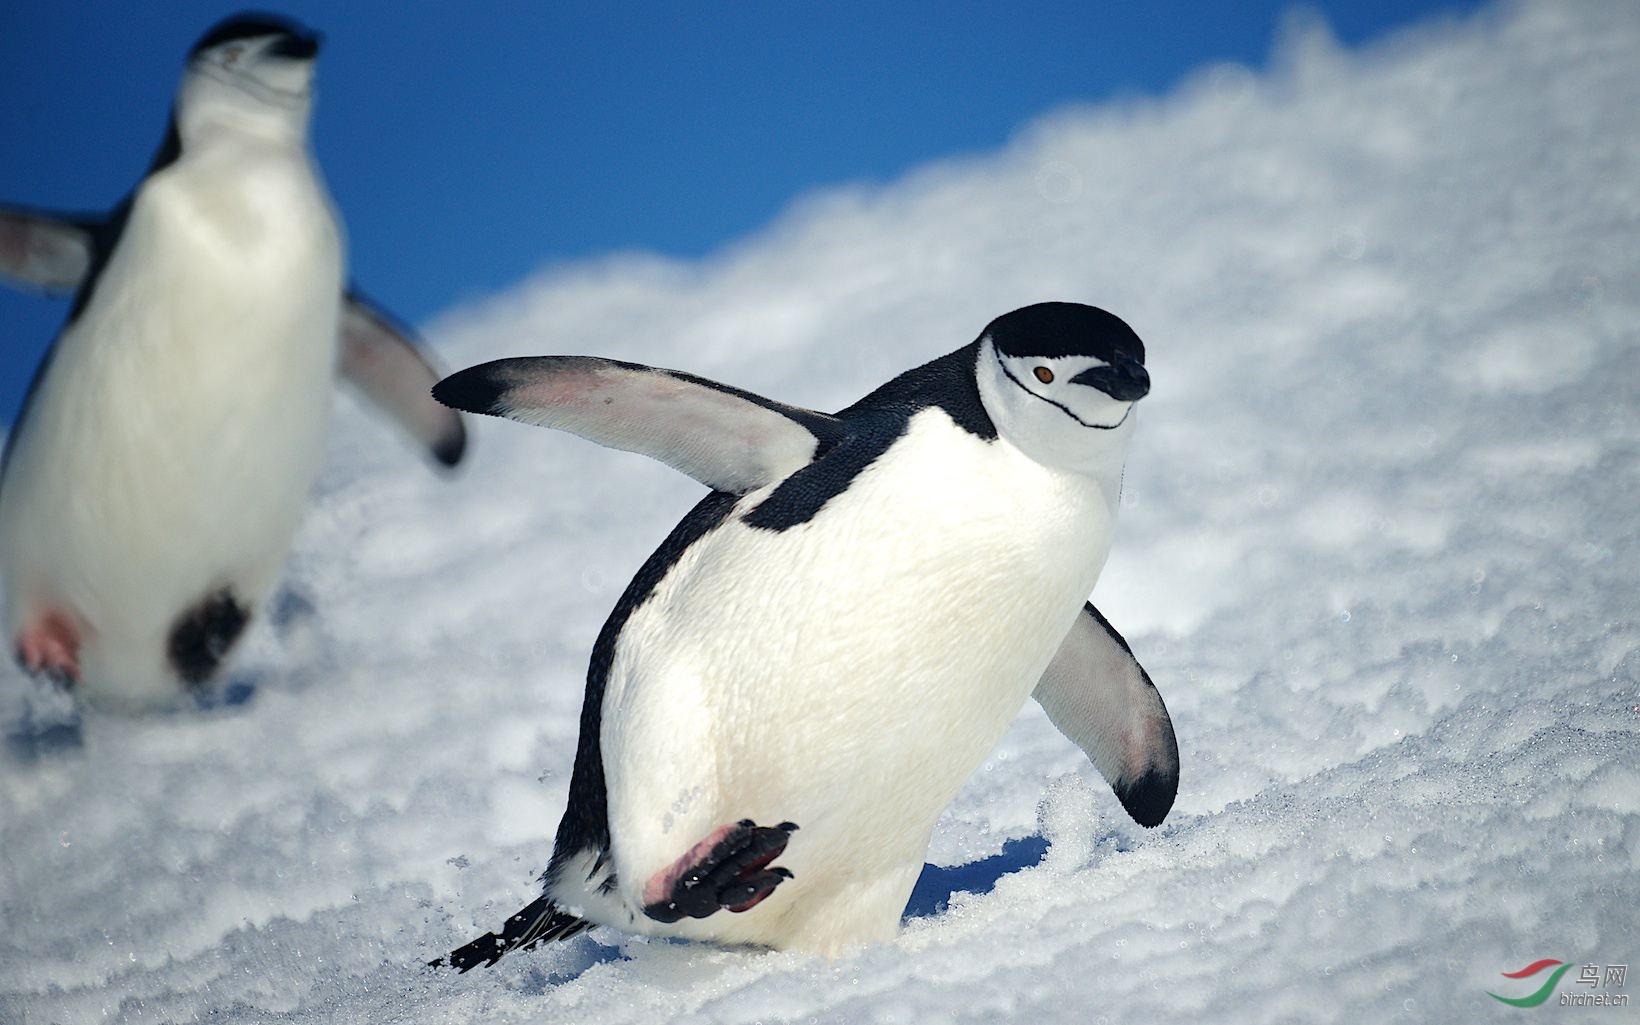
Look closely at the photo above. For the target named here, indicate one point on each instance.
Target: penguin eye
(1044, 375)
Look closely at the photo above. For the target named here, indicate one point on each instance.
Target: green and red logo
(1543, 991)
(1603, 982)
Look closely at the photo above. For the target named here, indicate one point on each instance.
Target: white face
(246, 84)
(1038, 405)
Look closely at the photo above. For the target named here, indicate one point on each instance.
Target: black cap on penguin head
(1054, 329)
(295, 41)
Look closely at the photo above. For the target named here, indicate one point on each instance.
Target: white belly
(847, 675)
(170, 447)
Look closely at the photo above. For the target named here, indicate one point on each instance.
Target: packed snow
(1377, 549)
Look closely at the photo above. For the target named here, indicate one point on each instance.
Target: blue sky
(467, 147)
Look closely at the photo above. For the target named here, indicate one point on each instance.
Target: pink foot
(50, 646)
(729, 869)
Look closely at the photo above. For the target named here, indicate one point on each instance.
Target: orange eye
(1044, 375)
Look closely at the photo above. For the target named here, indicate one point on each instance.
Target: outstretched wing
(44, 252)
(727, 439)
(1099, 695)
(379, 358)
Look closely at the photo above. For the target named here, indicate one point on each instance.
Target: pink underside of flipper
(50, 645)
(659, 888)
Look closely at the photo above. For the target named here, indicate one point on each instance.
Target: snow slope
(1379, 553)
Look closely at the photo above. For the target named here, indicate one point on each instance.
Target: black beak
(301, 46)
(1125, 380)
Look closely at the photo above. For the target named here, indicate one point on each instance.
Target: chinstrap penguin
(153, 481)
(803, 675)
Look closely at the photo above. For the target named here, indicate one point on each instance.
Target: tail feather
(541, 921)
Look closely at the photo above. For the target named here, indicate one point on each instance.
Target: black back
(873, 425)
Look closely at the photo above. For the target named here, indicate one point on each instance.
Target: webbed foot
(49, 646)
(729, 869)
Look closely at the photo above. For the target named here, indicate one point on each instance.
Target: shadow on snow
(936, 886)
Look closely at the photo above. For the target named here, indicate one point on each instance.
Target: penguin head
(252, 72)
(1060, 380)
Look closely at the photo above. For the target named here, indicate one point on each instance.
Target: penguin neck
(1100, 462)
(213, 109)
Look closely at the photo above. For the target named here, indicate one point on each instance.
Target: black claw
(735, 874)
(738, 894)
(665, 914)
(748, 891)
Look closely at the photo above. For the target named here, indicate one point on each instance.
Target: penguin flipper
(44, 252)
(540, 921)
(1099, 696)
(379, 357)
(728, 439)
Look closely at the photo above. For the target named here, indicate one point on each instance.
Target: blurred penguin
(156, 475)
